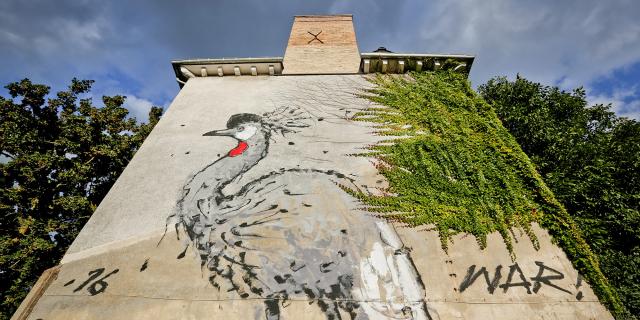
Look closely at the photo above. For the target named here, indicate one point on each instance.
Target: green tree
(590, 158)
(60, 157)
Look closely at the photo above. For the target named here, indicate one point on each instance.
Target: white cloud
(569, 43)
(138, 107)
(624, 102)
(566, 43)
(81, 35)
(10, 37)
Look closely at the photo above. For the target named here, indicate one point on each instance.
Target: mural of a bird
(284, 236)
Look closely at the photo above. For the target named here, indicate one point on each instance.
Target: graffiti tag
(516, 278)
(96, 285)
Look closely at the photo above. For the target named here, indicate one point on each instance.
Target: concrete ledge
(27, 305)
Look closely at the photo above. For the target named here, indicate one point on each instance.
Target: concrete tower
(234, 208)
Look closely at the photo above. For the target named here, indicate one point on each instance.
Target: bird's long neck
(213, 178)
(243, 157)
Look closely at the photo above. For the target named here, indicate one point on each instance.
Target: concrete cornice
(387, 62)
(370, 62)
(414, 55)
(191, 68)
(227, 60)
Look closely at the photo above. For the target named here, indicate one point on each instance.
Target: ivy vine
(451, 164)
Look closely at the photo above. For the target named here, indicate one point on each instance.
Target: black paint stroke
(144, 265)
(471, 277)
(523, 283)
(538, 280)
(579, 295)
(97, 286)
(315, 37)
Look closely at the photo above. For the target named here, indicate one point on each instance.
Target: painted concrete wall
(233, 209)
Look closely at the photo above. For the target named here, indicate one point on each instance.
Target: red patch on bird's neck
(238, 150)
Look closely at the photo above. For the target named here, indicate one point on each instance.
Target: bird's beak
(224, 132)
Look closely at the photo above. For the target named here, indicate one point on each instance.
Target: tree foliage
(590, 158)
(60, 157)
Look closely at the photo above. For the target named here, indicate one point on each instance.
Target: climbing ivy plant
(452, 165)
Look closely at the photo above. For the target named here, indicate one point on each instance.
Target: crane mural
(265, 241)
(252, 173)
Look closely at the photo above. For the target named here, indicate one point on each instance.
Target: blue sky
(127, 46)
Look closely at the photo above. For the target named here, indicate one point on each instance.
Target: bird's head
(240, 126)
(282, 120)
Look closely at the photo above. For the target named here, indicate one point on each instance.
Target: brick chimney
(322, 45)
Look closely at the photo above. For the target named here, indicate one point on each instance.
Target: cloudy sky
(127, 46)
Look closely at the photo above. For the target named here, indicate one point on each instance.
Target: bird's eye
(241, 128)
